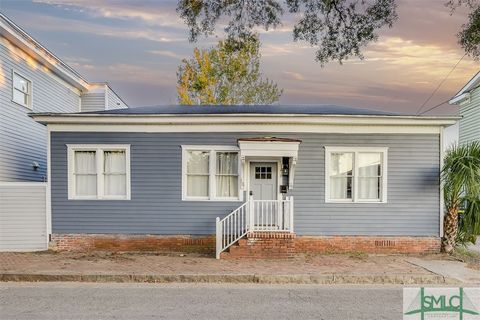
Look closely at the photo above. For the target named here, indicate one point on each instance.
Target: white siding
(22, 140)
(470, 122)
(93, 101)
(23, 217)
(114, 101)
(101, 97)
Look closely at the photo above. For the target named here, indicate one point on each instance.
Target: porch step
(262, 245)
(241, 242)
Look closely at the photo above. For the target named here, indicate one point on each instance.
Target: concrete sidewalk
(155, 267)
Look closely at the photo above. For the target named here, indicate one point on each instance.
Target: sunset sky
(137, 46)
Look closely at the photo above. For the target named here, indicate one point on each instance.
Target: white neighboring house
(450, 136)
(33, 79)
(468, 100)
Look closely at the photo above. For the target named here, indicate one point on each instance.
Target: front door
(263, 188)
(263, 180)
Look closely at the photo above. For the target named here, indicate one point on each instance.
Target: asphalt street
(198, 301)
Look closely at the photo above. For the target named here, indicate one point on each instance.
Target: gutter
(124, 119)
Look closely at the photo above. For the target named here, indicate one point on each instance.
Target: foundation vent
(384, 243)
(194, 241)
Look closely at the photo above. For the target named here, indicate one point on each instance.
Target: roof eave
(12, 33)
(459, 98)
(461, 95)
(49, 118)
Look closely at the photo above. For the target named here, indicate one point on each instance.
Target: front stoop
(263, 245)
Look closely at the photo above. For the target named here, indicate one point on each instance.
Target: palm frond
(461, 185)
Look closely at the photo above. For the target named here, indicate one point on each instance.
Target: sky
(137, 46)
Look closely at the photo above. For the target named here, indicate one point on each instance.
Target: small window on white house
(22, 90)
(356, 174)
(99, 172)
(210, 173)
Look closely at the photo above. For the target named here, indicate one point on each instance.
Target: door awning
(271, 147)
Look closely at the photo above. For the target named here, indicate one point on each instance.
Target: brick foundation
(255, 245)
(287, 245)
(367, 244)
(124, 242)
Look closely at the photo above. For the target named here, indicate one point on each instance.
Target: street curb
(232, 278)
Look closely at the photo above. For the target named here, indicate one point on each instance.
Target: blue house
(245, 181)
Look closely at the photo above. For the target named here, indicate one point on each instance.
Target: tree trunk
(450, 230)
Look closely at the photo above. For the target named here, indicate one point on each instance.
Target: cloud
(158, 13)
(166, 53)
(293, 75)
(55, 24)
(284, 49)
(136, 74)
(421, 61)
(427, 22)
(399, 71)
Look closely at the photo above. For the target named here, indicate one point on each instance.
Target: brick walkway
(101, 263)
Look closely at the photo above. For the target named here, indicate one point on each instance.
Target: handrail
(231, 228)
(253, 216)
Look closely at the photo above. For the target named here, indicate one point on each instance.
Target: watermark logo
(441, 303)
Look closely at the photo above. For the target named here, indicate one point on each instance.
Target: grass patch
(471, 258)
(358, 255)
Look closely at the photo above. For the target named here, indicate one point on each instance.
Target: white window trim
(29, 104)
(355, 150)
(212, 172)
(99, 148)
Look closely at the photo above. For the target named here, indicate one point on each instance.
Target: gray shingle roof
(246, 109)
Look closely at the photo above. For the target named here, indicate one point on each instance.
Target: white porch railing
(254, 216)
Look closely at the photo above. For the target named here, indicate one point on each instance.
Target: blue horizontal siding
(156, 206)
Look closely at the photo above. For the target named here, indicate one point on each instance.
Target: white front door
(263, 180)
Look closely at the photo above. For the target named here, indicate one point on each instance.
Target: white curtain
(341, 170)
(114, 166)
(227, 174)
(85, 173)
(197, 173)
(369, 175)
(341, 188)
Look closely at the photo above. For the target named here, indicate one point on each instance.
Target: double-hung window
(355, 174)
(99, 172)
(21, 90)
(210, 173)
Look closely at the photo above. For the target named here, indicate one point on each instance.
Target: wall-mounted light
(35, 166)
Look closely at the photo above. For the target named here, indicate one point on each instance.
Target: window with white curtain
(227, 175)
(355, 174)
(198, 175)
(21, 90)
(85, 173)
(115, 173)
(210, 173)
(99, 172)
(341, 175)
